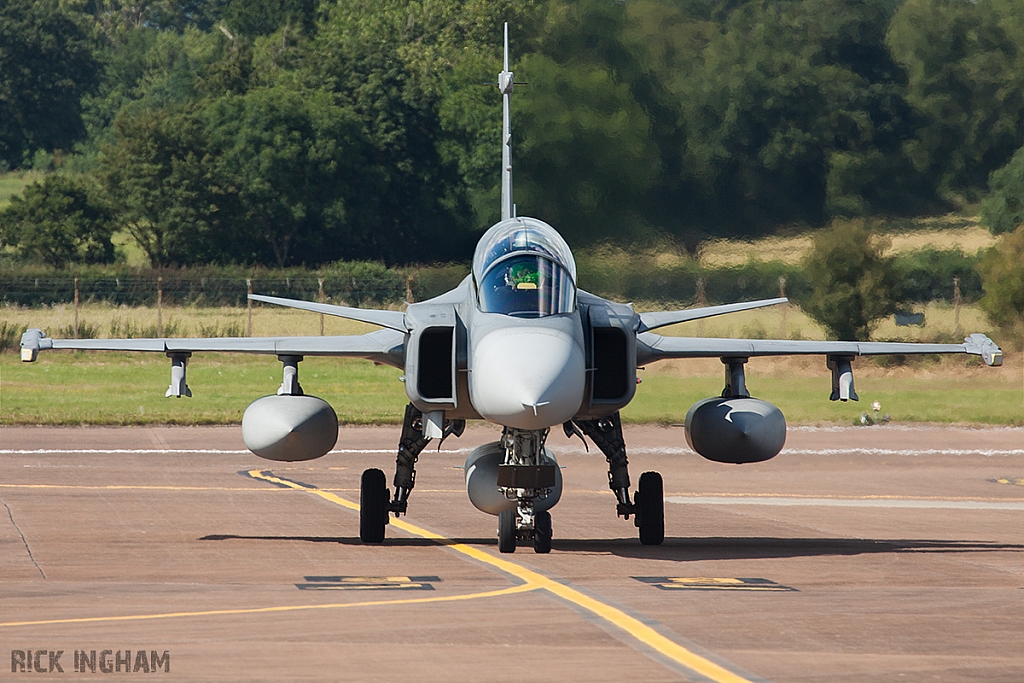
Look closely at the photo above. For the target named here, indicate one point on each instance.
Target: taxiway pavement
(858, 554)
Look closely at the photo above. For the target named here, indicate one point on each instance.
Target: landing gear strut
(374, 498)
(648, 504)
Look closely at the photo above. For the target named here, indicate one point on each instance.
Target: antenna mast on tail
(505, 83)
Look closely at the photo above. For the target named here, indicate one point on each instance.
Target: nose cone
(528, 378)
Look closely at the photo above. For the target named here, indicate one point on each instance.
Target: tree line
(307, 131)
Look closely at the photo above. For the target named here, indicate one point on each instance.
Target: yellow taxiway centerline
(282, 608)
(611, 615)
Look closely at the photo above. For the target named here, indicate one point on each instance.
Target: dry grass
(969, 238)
(267, 321)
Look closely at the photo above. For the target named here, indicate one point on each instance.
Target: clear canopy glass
(523, 267)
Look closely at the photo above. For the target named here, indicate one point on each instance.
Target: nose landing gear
(527, 477)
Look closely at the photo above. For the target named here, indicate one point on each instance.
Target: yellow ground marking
(282, 608)
(713, 583)
(616, 617)
(145, 487)
(140, 487)
(1014, 482)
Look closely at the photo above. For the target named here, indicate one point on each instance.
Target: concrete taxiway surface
(874, 554)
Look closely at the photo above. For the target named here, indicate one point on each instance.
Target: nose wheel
(542, 532)
(511, 532)
(507, 531)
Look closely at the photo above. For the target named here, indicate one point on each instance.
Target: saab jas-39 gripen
(518, 344)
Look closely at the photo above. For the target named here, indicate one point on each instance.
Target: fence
(183, 291)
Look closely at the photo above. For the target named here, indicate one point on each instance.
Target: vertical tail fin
(505, 83)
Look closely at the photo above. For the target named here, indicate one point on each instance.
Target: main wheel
(373, 506)
(507, 531)
(542, 532)
(651, 503)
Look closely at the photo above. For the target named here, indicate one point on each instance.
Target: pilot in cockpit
(524, 269)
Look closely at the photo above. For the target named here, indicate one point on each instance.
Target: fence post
(956, 307)
(159, 307)
(320, 280)
(702, 300)
(785, 307)
(248, 304)
(76, 308)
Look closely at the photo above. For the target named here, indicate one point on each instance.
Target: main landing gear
(375, 502)
(648, 504)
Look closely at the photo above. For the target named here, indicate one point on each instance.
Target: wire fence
(180, 291)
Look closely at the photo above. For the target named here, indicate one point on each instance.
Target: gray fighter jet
(517, 344)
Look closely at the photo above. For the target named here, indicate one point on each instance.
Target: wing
(654, 320)
(383, 346)
(654, 347)
(394, 320)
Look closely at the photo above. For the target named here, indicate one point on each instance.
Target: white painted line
(903, 451)
(670, 450)
(145, 451)
(845, 502)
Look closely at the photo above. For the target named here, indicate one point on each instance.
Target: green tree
(796, 113)
(585, 128)
(965, 67)
(853, 284)
(47, 63)
(586, 159)
(163, 190)
(1002, 273)
(405, 68)
(263, 17)
(59, 221)
(297, 187)
(1003, 209)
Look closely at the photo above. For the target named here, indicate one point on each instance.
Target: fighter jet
(518, 344)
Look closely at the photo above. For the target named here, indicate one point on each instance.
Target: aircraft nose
(528, 379)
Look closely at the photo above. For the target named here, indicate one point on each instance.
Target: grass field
(73, 388)
(13, 183)
(120, 388)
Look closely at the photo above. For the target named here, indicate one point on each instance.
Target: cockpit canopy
(523, 267)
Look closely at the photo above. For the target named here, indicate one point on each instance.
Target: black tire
(373, 506)
(507, 531)
(651, 501)
(542, 532)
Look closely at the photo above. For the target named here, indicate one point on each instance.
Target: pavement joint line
(522, 588)
(632, 626)
(24, 540)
